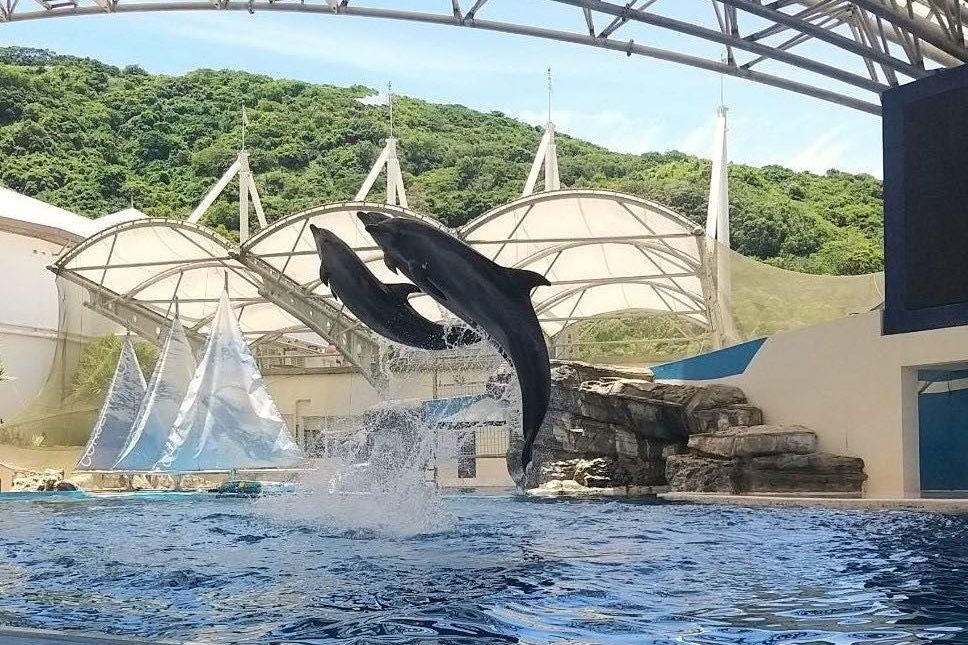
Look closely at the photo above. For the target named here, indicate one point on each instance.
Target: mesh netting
(86, 348)
(753, 299)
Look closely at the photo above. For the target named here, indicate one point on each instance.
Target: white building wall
(28, 317)
(856, 388)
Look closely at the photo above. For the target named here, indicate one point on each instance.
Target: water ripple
(510, 570)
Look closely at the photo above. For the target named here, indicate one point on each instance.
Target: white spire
(717, 213)
(388, 161)
(247, 191)
(547, 156)
(718, 252)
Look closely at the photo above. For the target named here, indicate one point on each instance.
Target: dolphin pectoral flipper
(403, 289)
(526, 280)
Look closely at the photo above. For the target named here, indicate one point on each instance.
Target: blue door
(943, 436)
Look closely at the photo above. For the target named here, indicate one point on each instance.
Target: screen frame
(897, 317)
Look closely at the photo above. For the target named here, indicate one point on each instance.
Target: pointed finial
(390, 104)
(722, 82)
(245, 122)
(549, 95)
(225, 286)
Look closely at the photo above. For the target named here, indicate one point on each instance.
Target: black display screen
(926, 203)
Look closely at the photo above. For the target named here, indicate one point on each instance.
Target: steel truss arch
(143, 294)
(858, 47)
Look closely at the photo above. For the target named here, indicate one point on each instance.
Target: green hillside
(92, 138)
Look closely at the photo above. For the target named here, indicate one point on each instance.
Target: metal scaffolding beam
(849, 38)
(356, 343)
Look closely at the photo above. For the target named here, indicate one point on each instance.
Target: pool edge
(936, 505)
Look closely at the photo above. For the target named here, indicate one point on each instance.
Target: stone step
(755, 441)
(788, 473)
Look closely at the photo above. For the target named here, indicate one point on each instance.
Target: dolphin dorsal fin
(526, 280)
(402, 289)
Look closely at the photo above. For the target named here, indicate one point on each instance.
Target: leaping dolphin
(483, 294)
(384, 308)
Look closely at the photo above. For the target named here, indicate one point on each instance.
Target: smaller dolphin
(482, 293)
(384, 308)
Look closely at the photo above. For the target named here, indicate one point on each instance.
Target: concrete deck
(936, 505)
(21, 636)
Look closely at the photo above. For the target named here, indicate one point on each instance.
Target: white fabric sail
(166, 391)
(228, 421)
(118, 414)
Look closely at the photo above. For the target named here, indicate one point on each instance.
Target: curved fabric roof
(151, 262)
(32, 217)
(603, 252)
(288, 246)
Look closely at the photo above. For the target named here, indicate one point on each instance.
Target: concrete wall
(334, 393)
(856, 388)
(491, 472)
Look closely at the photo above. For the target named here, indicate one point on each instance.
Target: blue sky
(629, 104)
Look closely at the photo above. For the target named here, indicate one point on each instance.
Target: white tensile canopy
(159, 409)
(228, 421)
(604, 253)
(116, 420)
(289, 248)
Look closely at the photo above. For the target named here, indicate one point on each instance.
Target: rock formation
(610, 426)
(51, 479)
(762, 459)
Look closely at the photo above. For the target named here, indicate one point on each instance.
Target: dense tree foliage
(98, 360)
(92, 138)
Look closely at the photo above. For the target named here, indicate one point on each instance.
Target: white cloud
(828, 151)
(699, 140)
(610, 128)
(316, 43)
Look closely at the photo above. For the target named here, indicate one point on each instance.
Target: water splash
(378, 472)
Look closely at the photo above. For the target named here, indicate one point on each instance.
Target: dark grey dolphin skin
(483, 294)
(381, 307)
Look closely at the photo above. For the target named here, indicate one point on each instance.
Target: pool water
(504, 569)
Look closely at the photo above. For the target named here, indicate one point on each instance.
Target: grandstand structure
(843, 51)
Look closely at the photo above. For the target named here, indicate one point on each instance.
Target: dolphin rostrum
(483, 294)
(384, 308)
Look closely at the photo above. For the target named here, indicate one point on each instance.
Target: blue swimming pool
(502, 569)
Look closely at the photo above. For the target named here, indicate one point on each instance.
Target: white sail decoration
(228, 421)
(166, 391)
(118, 413)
